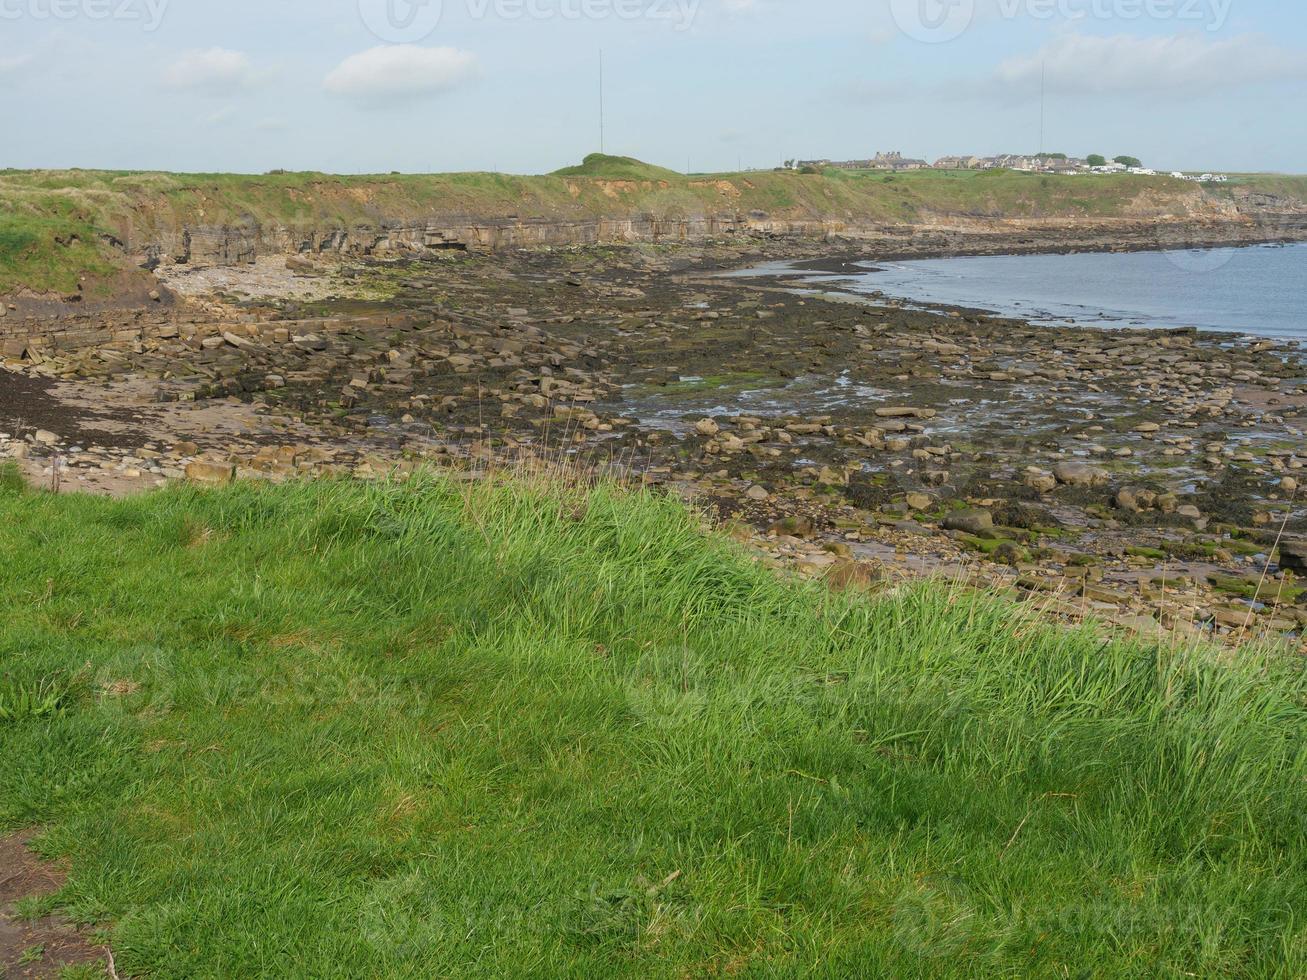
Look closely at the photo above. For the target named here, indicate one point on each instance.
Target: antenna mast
(1043, 101)
(601, 100)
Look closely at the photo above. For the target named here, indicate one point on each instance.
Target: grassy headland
(62, 226)
(433, 729)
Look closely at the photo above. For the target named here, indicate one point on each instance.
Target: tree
(1129, 161)
(1096, 160)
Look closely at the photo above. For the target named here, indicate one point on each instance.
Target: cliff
(86, 233)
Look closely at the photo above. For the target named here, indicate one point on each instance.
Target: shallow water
(1260, 290)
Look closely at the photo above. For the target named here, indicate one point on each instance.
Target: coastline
(1068, 466)
(1102, 293)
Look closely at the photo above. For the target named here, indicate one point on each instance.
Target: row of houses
(1039, 163)
(897, 161)
(881, 161)
(1013, 161)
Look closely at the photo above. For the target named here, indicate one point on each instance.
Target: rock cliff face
(233, 244)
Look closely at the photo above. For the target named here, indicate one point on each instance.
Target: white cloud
(401, 71)
(213, 71)
(1083, 64)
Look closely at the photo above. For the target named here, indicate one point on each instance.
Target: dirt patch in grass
(45, 946)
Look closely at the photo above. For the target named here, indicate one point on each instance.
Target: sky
(367, 86)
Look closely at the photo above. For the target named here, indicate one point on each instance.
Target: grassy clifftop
(424, 729)
(58, 225)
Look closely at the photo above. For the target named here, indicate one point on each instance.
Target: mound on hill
(425, 729)
(617, 168)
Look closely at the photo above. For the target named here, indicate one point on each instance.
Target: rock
(1293, 555)
(1135, 500)
(1041, 482)
(1101, 593)
(1081, 475)
(1009, 553)
(793, 527)
(238, 342)
(976, 521)
(211, 473)
(844, 576)
(920, 501)
(707, 427)
(758, 493)
(46, 438)
(832, 477)
(1289, 485)
(1136, 623)
(901, 412)
(1233, 618)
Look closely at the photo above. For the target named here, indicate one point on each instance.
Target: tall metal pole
(1043, 91)
(601, 100)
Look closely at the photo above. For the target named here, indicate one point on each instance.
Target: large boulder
(1136, 500)
(1293, 555)
(976, 522)
(211, 473)
(1081, 475)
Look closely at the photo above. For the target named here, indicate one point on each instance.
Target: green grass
(423, 729)
(50, 253)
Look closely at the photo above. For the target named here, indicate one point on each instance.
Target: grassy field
(59, 226)
(511, 729)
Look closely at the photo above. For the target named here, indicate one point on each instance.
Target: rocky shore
(1145, 478)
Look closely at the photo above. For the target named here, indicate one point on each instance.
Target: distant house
(1067, 166)
(958, 163)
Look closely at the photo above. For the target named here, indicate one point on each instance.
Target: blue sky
(379, 85)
